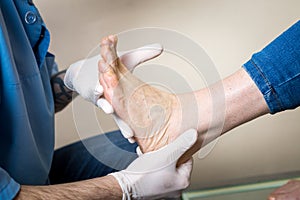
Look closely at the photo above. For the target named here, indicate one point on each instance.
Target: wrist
(116, 185)
(121, 185)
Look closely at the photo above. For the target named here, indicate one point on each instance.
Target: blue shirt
(26, 100)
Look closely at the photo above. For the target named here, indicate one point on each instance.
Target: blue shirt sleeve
(8, 187)
(276, 70)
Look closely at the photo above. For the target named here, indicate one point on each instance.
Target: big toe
(108, 50)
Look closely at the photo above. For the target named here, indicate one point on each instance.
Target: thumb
(105, 105)
(134, 57)
(165, 156)
(176, 149)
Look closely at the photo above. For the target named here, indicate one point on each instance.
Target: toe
(108, 50)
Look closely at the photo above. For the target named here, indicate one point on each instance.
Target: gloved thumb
(166, 155)
(134, 57)
(176, 149)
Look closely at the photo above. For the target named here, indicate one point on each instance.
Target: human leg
(268, 83)
(157, 117)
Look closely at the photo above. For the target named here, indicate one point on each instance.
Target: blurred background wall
(229, 31)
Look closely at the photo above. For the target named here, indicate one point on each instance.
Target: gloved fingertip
(127, 134)
(131, 140)
(137, 56)
(190, 136)
(138, 151)
(124, 128)
(156, 47)
(105, 106)
(98, 89)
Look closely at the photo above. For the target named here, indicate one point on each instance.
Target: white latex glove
(154, 175)
(82, 77)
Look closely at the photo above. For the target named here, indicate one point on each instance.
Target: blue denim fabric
(92, 157)
(276, 70)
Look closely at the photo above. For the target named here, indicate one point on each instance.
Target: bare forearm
(98, 188)
(61, 94)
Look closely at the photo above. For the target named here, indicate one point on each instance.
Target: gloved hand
(154, 175)
(82, 77)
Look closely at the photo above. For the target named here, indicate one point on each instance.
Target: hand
(290, 191)
(82, 76)
(154, 174)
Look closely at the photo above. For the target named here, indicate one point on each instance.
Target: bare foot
(152, 114)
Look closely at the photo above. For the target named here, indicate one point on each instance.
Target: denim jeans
(276, 70)
(93, 157)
